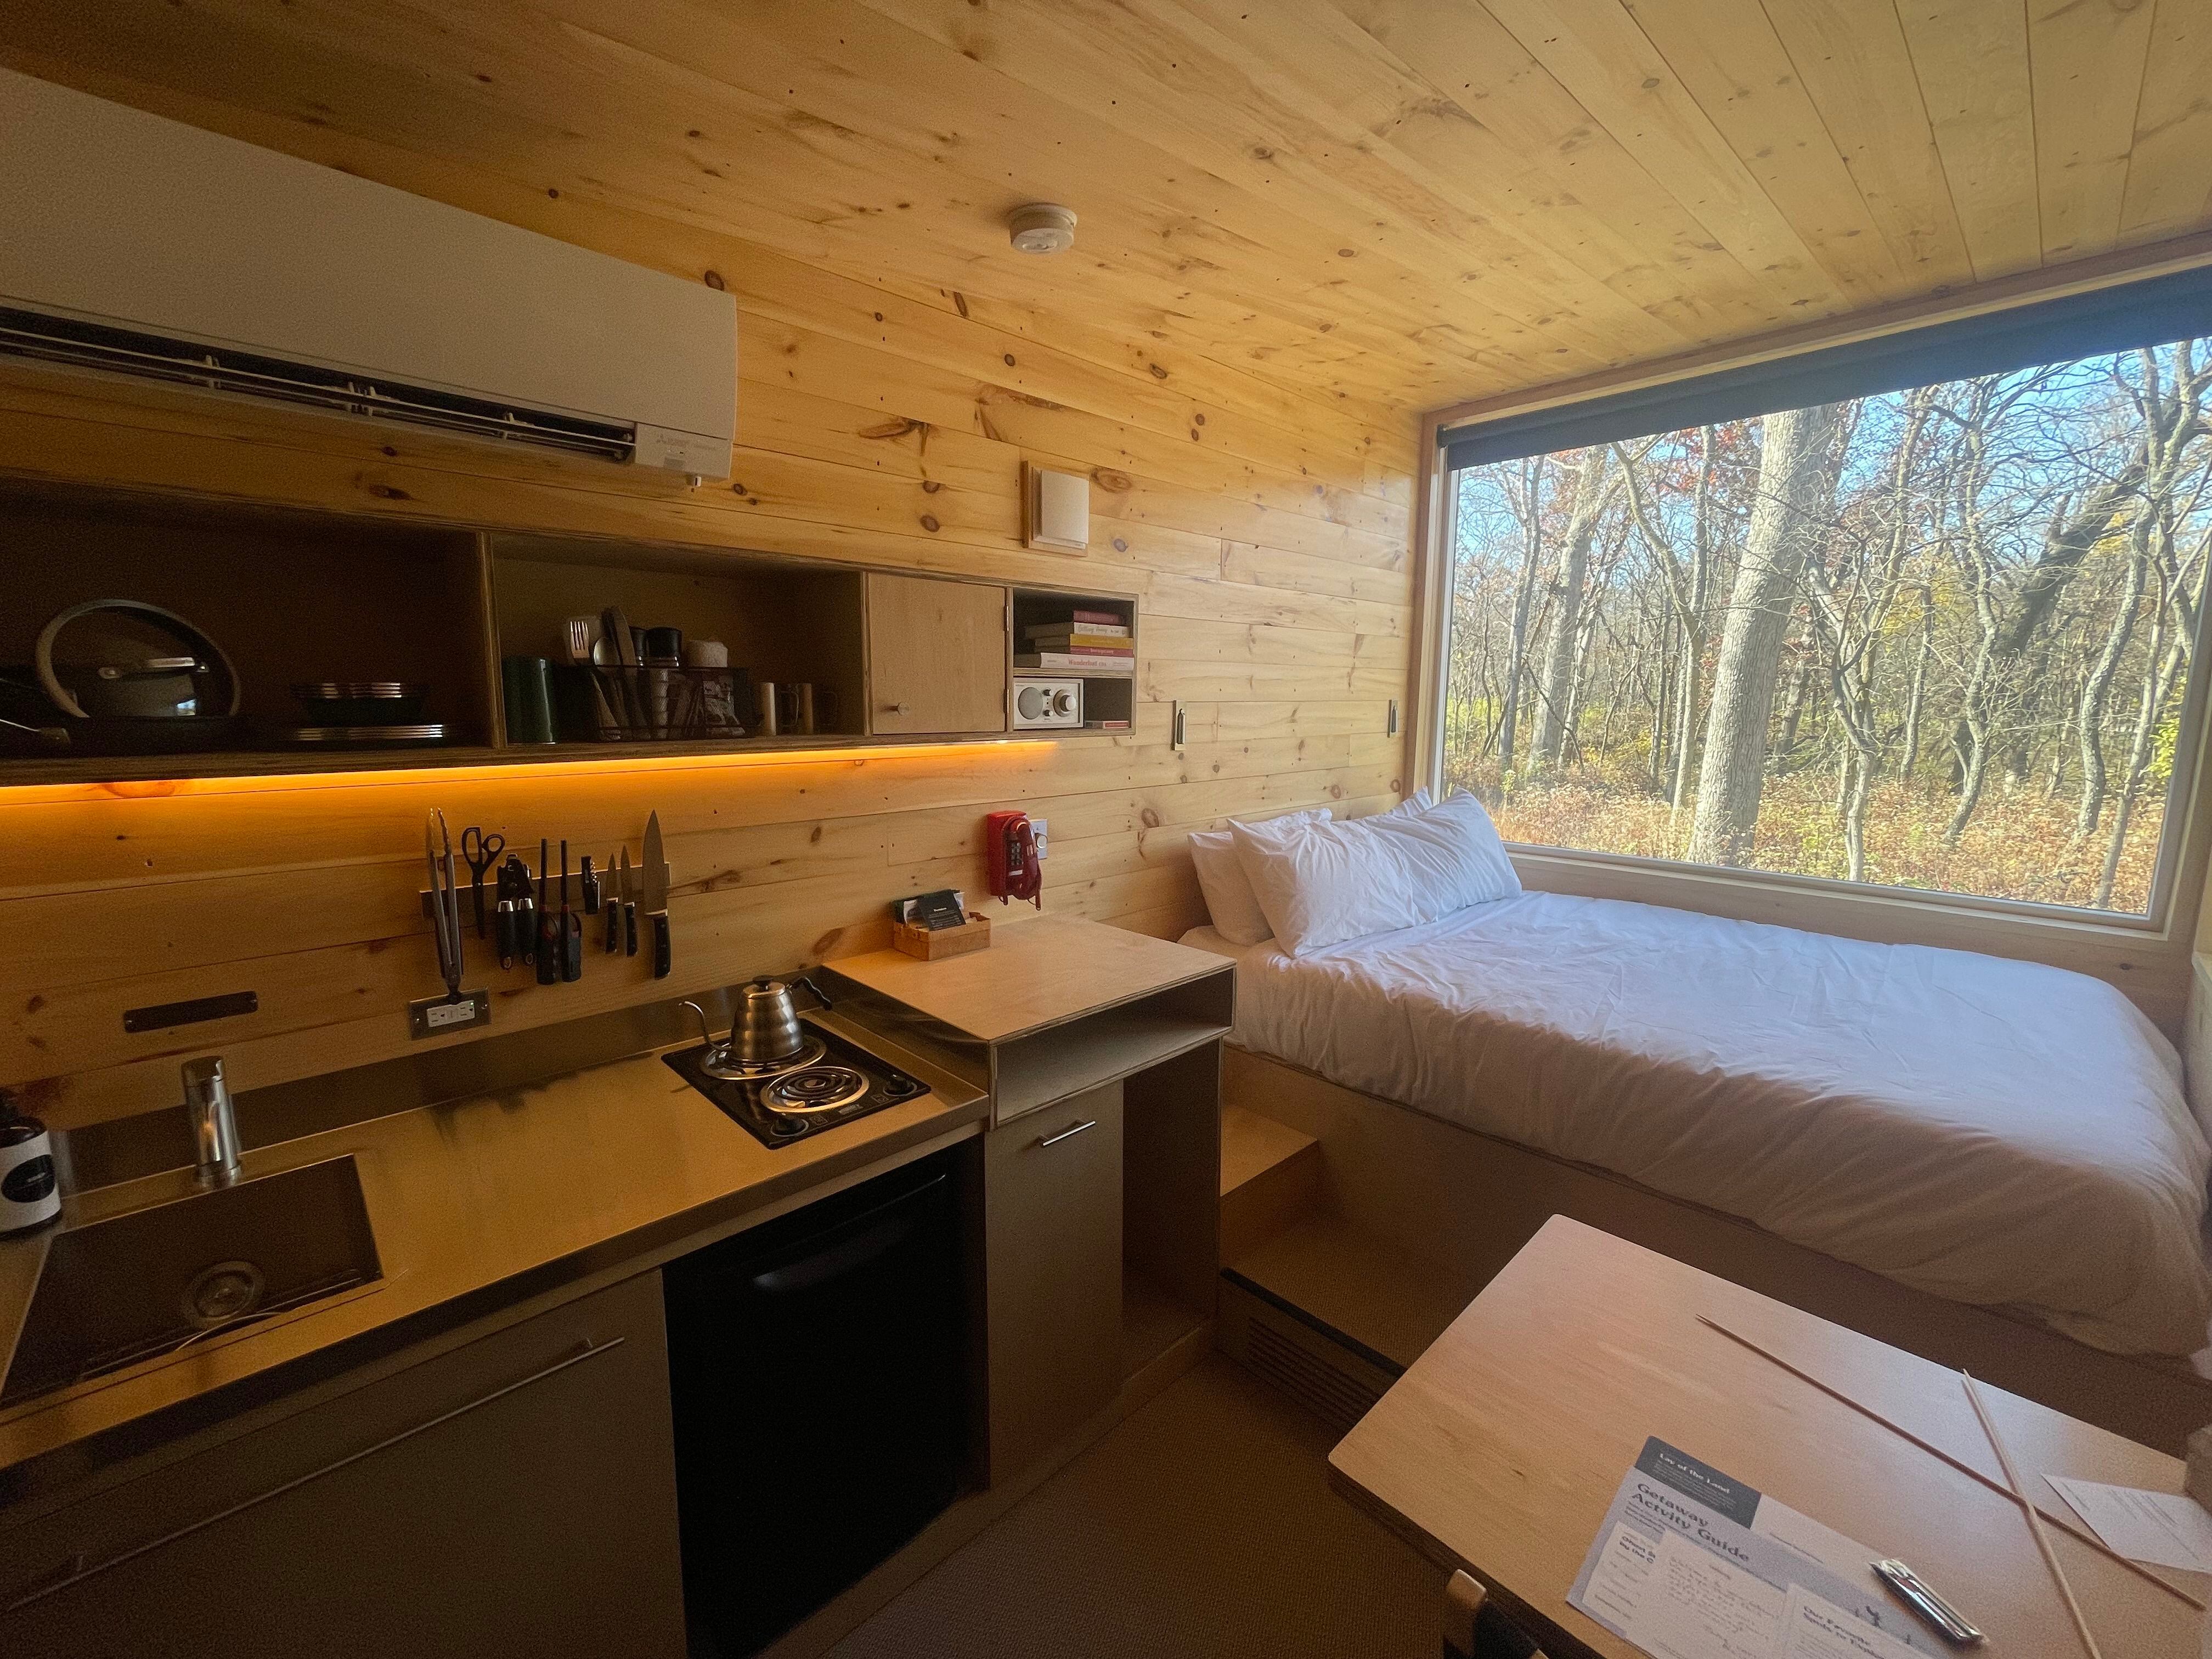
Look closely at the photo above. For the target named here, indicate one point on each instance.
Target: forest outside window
(1936, 637)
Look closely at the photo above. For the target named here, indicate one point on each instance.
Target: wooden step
(1271, 1179)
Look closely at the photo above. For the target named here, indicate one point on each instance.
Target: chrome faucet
(215, 1128)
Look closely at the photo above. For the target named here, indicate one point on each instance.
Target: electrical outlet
(1036, 829)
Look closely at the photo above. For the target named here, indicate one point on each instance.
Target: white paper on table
(2159, 1529)
(1813, 1628)
(1689, 1561)
(1696, 1605)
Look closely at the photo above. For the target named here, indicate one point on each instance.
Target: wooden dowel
(1959, 1464)
(2034, 1517)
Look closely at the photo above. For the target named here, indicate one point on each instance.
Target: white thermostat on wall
(1056, 510)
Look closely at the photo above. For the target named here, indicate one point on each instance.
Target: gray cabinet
(513, 1497)
(1053, 1226)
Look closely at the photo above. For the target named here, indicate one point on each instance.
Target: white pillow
(1320, 884)
(1236, 914)
(1415, 804)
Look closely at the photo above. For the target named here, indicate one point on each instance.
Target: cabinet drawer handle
(898, 708)
(586, 1350)
(1054, 1141)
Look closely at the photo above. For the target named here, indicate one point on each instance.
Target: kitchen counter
(531, 1194)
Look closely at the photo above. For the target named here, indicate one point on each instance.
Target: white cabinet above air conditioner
(136, 245)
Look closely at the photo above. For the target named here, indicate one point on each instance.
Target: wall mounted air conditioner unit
(139, 245)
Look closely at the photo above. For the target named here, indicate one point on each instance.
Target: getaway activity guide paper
(1689, 1564)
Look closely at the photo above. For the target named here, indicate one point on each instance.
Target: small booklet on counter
(946, 908)
(1692, 1564)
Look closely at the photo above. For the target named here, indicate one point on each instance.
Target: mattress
(1994, 1132)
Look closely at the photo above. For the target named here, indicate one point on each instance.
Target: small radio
(1040, 704)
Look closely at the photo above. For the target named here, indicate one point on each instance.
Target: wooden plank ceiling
(1392, 204)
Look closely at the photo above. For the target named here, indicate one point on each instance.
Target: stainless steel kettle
(767, 1024)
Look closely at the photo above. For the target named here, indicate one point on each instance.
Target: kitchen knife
(571, 930)
(629, 907)
(506, 912)
(548, 922)
(589, 881)
(656, 898)
(614, 906)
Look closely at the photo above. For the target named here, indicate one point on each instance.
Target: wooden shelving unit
(294, 596)
(1102, 1169)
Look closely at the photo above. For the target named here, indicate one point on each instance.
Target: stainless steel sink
(134, 1287)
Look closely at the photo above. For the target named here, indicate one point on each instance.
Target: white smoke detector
(1042, 228)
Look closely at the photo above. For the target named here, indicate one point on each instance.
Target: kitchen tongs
(445, 900)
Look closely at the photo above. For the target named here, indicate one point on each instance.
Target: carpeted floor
(1203, 1527)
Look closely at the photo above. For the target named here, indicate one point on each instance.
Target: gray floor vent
(1307, 1365)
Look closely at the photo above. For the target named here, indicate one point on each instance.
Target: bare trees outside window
(1938, 638)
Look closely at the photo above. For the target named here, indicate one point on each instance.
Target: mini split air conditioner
(133, 244)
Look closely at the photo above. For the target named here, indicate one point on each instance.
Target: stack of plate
(364, 713)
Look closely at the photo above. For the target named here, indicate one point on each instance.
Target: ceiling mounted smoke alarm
(1042, 228)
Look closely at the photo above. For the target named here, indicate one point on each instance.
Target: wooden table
(1501, 1450)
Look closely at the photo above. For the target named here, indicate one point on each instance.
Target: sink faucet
(215, 1129)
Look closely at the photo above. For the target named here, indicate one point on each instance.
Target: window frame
(2110, 944)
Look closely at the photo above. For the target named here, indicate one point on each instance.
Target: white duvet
(1993, 1132)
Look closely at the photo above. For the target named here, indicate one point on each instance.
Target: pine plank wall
(880, 422)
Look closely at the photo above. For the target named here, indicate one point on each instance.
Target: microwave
(1043, 703)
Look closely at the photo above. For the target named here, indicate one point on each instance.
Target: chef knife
(628, 906)
(656, 898)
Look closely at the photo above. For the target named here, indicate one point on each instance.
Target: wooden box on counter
(935, 944)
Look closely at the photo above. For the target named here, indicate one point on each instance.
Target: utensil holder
(702, 704)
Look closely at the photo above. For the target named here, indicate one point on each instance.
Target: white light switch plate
(1057, 516)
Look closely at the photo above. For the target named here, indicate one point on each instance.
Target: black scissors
(482, 852)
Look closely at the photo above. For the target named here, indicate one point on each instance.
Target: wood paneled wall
(880, 423)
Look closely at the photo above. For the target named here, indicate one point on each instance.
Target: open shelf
(782, 621)
(1108, 692)
(295, 596)
(1037, 1070)
(287, 598)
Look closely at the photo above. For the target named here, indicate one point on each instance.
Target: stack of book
(1088, 642)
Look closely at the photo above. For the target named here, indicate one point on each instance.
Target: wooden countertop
(1501, 1448)
(1035, 974)
(526, 1189)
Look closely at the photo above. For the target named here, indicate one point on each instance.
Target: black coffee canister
(30, 1186)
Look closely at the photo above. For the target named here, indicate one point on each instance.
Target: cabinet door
(937, 655)
(515, 1497)
(1052, 1203)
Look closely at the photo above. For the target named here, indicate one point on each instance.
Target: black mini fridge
(817, 1363)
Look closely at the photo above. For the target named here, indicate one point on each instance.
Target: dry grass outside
(2018, 846)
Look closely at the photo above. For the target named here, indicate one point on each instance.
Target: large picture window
(1937, 636)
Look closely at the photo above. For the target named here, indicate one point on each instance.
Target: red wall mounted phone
(1010, 852)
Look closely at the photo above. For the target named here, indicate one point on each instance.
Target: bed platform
(1438, 1191)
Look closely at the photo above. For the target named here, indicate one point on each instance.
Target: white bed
(1991, 1131)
